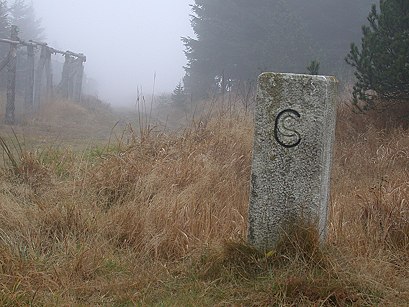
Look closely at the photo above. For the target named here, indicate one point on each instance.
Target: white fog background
(126, 41)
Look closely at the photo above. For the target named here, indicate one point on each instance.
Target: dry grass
(160, 220)
(62, 123)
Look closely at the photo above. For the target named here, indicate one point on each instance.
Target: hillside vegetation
(160, 218)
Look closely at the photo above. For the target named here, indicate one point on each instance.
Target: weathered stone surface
(294, 135)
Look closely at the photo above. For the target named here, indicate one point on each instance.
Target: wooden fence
(35, 88)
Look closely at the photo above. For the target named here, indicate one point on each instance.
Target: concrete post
(294, 135)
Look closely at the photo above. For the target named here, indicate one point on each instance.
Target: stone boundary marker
(294, 134)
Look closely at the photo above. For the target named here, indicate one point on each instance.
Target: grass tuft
(299, 242)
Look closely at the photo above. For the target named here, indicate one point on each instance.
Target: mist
(126, 42)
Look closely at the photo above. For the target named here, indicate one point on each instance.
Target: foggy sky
(125, 41)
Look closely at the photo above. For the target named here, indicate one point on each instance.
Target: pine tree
(238, 39)
(4, 33)
(179, 96)
(4, 20)
(382, 63)
(23, 16)
(4, 28)
(313, 68)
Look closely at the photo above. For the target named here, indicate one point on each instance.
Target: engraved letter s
(286, 136)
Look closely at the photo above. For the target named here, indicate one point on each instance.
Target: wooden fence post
(29, 97)
(79, 75)
(39, 76)
(48, 74)
(71, 75)
(11, 82)
(66, 76)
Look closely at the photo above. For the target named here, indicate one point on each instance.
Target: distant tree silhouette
(4, 33)
(238, 39)
(22, 15)
(4, 27)
(332, 25)
(4, 20)
(179, 96)
(313, 68)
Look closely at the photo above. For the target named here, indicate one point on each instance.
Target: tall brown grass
(125, 225)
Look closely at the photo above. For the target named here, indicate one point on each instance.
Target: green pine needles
(179, 95)
(382, 63)
(313, 68)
